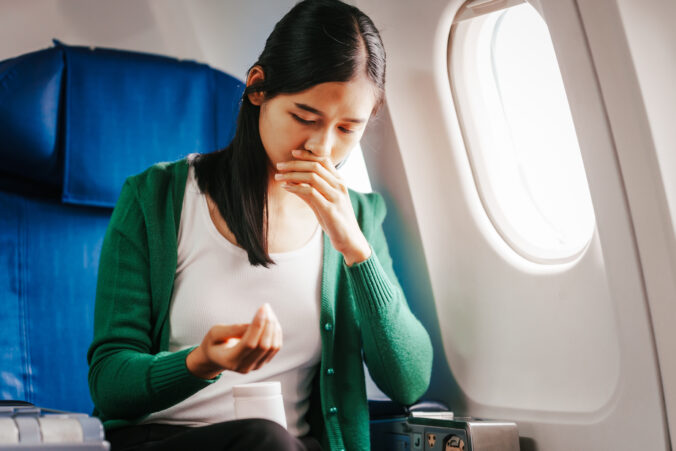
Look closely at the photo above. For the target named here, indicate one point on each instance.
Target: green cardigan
(131, 373)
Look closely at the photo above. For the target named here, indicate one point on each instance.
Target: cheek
(279, 135)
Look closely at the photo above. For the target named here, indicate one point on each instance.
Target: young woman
(265, 228)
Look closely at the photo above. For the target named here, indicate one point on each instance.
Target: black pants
(250, 435)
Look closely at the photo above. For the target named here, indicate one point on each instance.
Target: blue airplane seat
(74, 123)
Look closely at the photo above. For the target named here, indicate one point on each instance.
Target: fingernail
(281, 165)
(279, 176)
(296, 152)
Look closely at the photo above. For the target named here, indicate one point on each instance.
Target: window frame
(467, 24)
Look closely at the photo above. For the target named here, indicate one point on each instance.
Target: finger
(311, 178)
(268, 335)
(266, 358)
(335, 180)
(324, 161)
(276, 345)
(278, 342)
(221, 333)
(251, 337)
(256, 358)
(220, 341)
(251, 351)
(309, 167)
(250, 362)
(309, 194)
(279, 336)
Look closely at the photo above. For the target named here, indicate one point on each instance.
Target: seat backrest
(74, 123)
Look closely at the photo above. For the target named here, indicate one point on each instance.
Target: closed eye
(306, 122)
(302, 121)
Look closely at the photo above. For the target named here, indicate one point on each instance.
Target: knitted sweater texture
(364, 314)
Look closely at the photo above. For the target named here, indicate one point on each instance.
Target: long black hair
(317, 41)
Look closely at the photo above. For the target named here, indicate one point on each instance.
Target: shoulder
(369, 208)
(160, 179)
(161, 173)
(153, 196)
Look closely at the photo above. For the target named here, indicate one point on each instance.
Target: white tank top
(215, 284)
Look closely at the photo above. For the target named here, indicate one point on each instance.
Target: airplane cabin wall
(227, 35)
(567, 351)
(636, 70)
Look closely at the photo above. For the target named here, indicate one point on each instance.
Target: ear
(255, 75)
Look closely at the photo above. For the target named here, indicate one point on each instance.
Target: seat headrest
(120, 112)
(30, 95)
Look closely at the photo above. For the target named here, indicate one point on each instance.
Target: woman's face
(327, 119)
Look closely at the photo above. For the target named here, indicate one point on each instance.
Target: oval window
(519, 133)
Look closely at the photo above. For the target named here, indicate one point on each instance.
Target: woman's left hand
(318, 183)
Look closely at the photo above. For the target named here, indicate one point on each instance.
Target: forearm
(398, 353)
(397, 348)
(129, 384)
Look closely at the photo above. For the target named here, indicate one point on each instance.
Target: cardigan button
(330, 371)
(328, 326)
(333, 410)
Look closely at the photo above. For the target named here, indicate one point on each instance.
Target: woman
(195, 246)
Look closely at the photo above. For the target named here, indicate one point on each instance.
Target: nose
(320, 143)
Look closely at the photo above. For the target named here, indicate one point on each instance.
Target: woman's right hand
(238, 347)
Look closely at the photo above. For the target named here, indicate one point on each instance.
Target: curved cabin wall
(567, 351)
(226, 35)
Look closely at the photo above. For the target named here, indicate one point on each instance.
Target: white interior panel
(228, 35)
(636, 70)
(566, 351)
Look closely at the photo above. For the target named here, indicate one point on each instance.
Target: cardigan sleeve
(126, 381)
(397, 348)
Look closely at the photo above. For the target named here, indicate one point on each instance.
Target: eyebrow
(308, 108)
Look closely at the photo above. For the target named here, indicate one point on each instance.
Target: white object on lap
(260, 400)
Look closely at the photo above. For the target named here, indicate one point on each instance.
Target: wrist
(199, 364)
(357, 254)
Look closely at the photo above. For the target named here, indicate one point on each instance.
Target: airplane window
(354, 171)
(519, 133)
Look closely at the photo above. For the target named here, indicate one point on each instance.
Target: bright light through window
(354, 171)
(520, 135)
